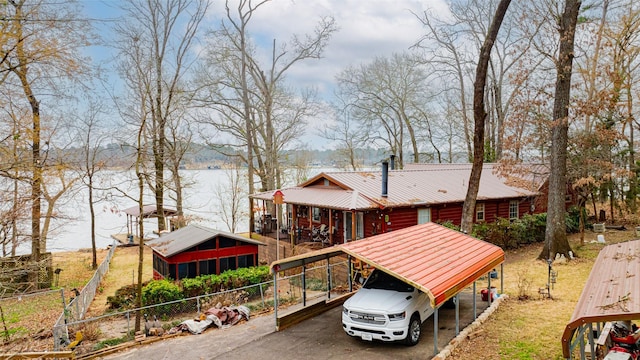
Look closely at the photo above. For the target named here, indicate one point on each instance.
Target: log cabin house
(338, 207)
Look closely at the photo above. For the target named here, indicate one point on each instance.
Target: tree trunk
(556, 241)
(479, 117)
(92, 211)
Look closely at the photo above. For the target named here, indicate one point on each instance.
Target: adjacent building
(197, 250)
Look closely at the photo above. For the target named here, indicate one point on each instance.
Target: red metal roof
(317, 196)
(435, 259)
(528, 176)
(612, 291)
(439, 261)
(438, 184)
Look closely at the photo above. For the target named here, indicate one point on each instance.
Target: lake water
(201, 203)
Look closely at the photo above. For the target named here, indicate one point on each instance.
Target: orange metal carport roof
(437, 260)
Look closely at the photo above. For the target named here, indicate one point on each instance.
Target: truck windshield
(382, 280)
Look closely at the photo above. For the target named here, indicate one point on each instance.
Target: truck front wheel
(413, 331)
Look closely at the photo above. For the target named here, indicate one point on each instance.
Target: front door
(348, 225)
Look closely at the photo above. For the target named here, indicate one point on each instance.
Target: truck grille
(366, 318)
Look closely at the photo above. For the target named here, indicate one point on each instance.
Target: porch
(299, 235)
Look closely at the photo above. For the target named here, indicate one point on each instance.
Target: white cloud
(367, 28)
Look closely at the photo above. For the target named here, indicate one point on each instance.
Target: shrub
(160, 291)
(230, 279)
(450, 225)
(124, 298)
(192, 286)
(573, 219)
(512, 234)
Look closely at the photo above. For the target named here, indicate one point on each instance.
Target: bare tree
(448, 59)
(40, 55)
(479, 117)
(179, 143)
(252, 102)
(347, 135)
(388, 97)
(555, 235)
(231, 195)
(164, 32)
(91, 137)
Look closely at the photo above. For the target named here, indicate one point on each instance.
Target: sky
(366, 29)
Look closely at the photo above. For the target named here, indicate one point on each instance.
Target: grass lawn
(532, 328)
(123, 271)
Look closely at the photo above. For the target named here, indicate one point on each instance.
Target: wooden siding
(401, 218)
(385, 220)
(448, 212)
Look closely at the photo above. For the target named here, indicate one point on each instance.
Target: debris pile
(222, 317)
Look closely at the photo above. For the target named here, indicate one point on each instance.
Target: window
(183, 271)
(359, 225)
(208, 245)
(172, 271)
(245, 261)
(424, 215)
(513, 209)
(226, 243)
(207, 267)
(161, 266)
(228, 263)
(316, 214)
(193, 269)
(479, 212)
(203, 266)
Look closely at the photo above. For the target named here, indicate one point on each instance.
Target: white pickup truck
(387, 309)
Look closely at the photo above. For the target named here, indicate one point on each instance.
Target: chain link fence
(77, 308)
(22, 319)
(119, 327)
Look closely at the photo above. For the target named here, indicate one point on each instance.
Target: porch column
(353, 225)
(330, 227)
(294, 218)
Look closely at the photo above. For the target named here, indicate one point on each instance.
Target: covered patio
(133, 215)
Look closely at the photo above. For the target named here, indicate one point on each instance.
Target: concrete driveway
(320, 337)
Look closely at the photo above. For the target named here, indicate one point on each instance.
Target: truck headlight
(345, 310)
(397, 317)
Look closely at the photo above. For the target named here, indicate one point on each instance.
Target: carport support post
(489, 288)
(502, 278)
(304, 285)
(591, 342)
(350, 273)
(435, 331)
(475, 311)
(457, 301)
(328, 279)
